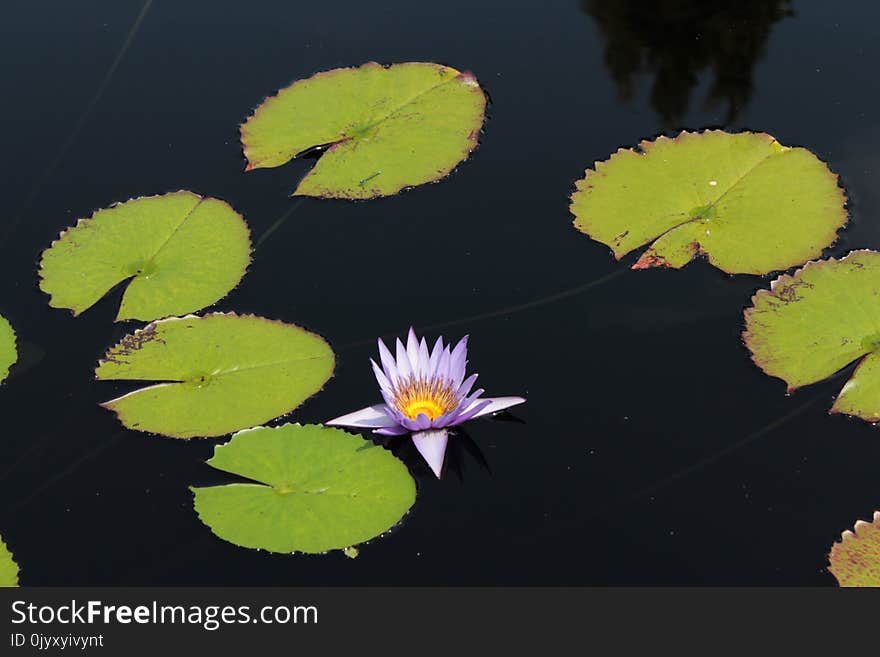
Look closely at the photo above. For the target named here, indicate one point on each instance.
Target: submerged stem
(278, 222)
(508, 310)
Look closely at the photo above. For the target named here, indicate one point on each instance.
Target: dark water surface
(652, 450)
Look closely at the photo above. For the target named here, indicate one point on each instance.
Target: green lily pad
(384, 128)
(8, 567)
(855, 560)
(216, 374)
(809, 325)
(745, 201)
(180, 252)
(319, 489)
(8, 351)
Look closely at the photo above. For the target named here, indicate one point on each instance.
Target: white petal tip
(371, 417)
(432, 446)
(498, 404)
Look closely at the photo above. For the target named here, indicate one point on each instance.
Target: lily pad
(8, 351)
(217, 374)
(8, 567)
(855, 560)
(745, 201)
(180, 252)
(319, 489)
(380, 128)
(811, 324)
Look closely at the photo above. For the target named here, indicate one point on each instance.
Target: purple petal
(465, 387)
(432, 447)
(424, 367)
(458, 362)
(393, 413)
(443, 364)
(497, 404)
(464, 406)
(384, 383)
(409, 425)
(423, 421)
(391, 431)
(388, 396)
(469, 401)
(444, 420)
(435, 356)
(387, 362)
(471, 412)
(370, 417)
(404, 368)
(412, 348)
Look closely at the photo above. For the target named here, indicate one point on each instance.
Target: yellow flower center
(433, 397)
(427, 406)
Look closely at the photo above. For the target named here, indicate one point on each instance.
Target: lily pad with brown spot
(855, 560)
(214, 374)
(745, 201)
(815, 322)
(380, 128)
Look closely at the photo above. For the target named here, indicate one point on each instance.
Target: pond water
(651, 450)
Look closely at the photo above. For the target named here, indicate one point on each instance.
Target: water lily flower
(425, 393)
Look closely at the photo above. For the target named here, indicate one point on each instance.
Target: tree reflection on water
(677, 40)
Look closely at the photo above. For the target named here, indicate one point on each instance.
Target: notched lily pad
(215, 374)
(318, 489)
(855, 560)
(180, 252)
(381, 128)
(8, 350)
(745, 201)
(813, 323)
(8, 567)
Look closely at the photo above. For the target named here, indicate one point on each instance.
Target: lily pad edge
(5, 548)
(850, 535)
(14, 349)
(475, 138)
(342, 551)
(108, 404)
(124, 282)
(780, 280)
(583, 183)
